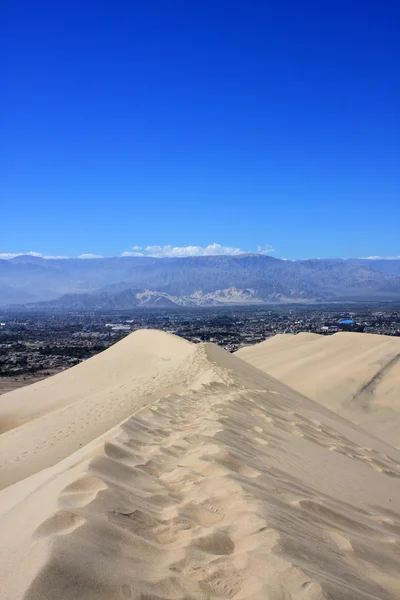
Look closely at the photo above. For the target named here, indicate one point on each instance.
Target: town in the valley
(36, 345)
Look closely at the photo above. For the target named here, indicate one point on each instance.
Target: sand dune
(354, 374)
(126, 365)
(223, 484)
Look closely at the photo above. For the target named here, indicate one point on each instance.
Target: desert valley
(200, 301)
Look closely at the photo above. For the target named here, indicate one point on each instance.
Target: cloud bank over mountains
(214, 249)
(169, 251)
(382, 257)
(206, 279)
(6, 255)
(155, 251)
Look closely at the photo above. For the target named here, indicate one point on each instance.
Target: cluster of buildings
(34, 346)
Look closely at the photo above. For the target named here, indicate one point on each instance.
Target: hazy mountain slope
(44, 279)
(388, 266)
(354, 374)
(11, 295)
(236, 487)
(263, 278)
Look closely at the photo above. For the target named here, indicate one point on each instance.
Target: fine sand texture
(163, 470)
(356, 375)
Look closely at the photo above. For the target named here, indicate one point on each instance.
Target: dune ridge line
(233, 486)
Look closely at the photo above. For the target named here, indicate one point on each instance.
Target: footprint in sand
(217, 542)
(202, 515)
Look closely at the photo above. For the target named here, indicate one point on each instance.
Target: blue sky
(187, 124)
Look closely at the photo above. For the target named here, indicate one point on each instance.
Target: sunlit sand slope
(125, 367)
(63, 413)
(237, 487)
(354, 374)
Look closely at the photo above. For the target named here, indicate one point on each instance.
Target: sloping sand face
(125, 366)
(354, 374)
(237, 487)
(61, 414)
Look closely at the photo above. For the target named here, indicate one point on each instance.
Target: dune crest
(139, 357)
(235, 486)
(67, 411)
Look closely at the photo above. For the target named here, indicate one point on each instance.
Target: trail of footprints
(325, 437)
(172, 506)
(172, 522)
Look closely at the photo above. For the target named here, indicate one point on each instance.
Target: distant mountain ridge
(128, 282)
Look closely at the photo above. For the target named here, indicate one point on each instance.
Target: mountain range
(128, 282)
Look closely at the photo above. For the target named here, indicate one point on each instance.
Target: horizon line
(37, 255)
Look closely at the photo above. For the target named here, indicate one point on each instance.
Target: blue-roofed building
(346, 322)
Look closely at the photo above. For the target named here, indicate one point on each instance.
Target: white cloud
(382, 257)
(90, 256)
(166, 251)
(5, 255)
(169, 251)
(182, 251)
(267, 249)
(210, 250)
